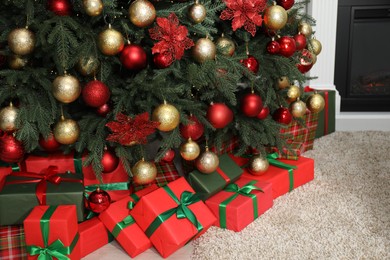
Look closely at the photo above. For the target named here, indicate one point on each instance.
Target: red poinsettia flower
(172, 37)
(127, 130)
(244, 13)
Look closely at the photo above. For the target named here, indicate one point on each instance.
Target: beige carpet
(343, 214)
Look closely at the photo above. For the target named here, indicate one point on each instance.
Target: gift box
(172, 215)
(285, 175)
(117, 220)
(240, 203)
(12, 243)
(93, 235)
(24, 190)
(52, 231)
(293, 152)
(207, 185)
(6, 169)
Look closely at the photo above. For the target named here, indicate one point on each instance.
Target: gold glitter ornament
(93, 7)
(283, 82)
(258, 165)
(8, 117)
(66, 131)
(293, 93)
(197, 13)
(226, 46)
(144, 172)
(298, 108)
(315, 103)
(142, 13)
(305, 29)
(204, 50)
(207, 162)
(167, 115)
(66, 88)
(315, 46)
(17, 62)
(88, 66)
(275, 17)
(110, 42)
(189, 150)
(21, 41)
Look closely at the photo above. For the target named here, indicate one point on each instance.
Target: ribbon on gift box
(326, 108)
(56, 249)
(243, 191)
(14, 166)
(50, 174)
(182, 211)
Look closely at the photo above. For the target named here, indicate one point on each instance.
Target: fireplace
(362, 68)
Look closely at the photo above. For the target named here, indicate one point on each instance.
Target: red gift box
(240, 203)
(93, 235)
(52, 230)
(118, 221)
(172, 215)
(283, 180)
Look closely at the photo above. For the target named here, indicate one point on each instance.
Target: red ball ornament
(95, 93)
(133, 57)
(305, 61)
(103, 110)
(287, 46)
(282, 115)
(11, 149)
(193, 129)
(251, 63)
(59, 7)
(219, 115)
(109, 161)
(251, 104)
(273, 47)
(162, 61)
(168, 156)
(99, 200)
(300, 41)
(286, 4)
(264, 112)
(49, 143)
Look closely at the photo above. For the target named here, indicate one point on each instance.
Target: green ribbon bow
(127, 221)
(106, 186)
(244, 191)
(290, 168)
(182, 211)
(55, 249)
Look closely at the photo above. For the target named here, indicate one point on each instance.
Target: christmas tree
(109, 77)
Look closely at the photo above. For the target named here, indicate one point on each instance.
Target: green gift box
(206, 185)
(22, 191)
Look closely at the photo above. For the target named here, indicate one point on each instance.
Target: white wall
(325, 13)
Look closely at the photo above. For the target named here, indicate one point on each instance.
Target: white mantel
(325, 13)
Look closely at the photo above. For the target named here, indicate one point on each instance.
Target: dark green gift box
(207, 185)
(18, 199)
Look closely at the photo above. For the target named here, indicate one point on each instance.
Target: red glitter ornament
(286, 4)
(162, 61)
(264, 112)
(287, 46)
(273, 47)
(168, 156)
(300, 41)
(11, 149)
(103, 110)
(133, 57)
(219, 115)
(99, 200)
(251, 104)
(193, 129)
(109, 161)
(95, 93)
(49, 143)
(282, 115)
(59, 7)
(251, 63)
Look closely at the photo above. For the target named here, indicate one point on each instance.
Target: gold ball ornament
(293, 93)
(258, 165)
(298, 108)
(142, 13)
(167, 115)
(313, 58)
(21, 41)
(93, 7)
(189, 150)
(305, 29)
(315, 103)
(17, 62)
(66, 131)
(8, 117)
(144, 172)
(110, 42)
(275, 17)
(283, 82)
(226, 46)
(88, 66)
(66, 88)
(204, 50)
(197, 13)
(315, 46)
(207, 162)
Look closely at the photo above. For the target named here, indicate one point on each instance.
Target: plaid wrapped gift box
(12, 243)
